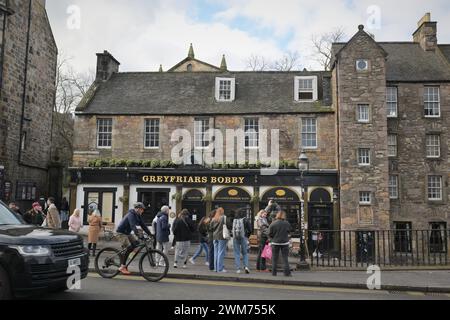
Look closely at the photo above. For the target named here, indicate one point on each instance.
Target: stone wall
(411, 165)
(39, 93)
(366, 87)
(128, 137)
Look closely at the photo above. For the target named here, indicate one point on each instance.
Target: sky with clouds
(142, 34)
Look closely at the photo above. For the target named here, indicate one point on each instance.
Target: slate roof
(408, 62)
(445, 49)
(183, 93)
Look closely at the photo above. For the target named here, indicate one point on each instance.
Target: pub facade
(374, 130)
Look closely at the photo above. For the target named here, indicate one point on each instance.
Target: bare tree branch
(290, 61)
(322, 45)
(257, 63)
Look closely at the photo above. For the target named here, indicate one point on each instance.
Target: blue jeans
(240, 247)
(219, 254)
(211, 255)
(202, 247)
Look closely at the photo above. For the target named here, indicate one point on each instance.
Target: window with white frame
(393, 187)
(434, 188)
(364, 157)
(104, 133)
(306, 89)
(225, 89)
(363, 113)
(309, 133)
(365, 198)
(433, 146)
(392, 101)
(201, 133)
(152, 133)
(251, 128)
(392, 145)
(432, 102)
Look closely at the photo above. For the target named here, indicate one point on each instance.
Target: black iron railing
(360, 249)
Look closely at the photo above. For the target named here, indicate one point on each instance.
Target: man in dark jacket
(163, 230)
(129, 223)
(279, 234)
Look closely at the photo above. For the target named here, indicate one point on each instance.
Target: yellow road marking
(252, 285)
(413, 293)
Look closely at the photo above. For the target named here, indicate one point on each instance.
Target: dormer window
(225, 89)
(306, 89)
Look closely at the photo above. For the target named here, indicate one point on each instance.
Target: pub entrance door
(193, 202)
(153, 200)
(289, 201)
(102, 199)
(320, 223)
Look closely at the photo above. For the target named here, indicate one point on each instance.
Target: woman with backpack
(183, 228)
(241, 231)
(203, 238)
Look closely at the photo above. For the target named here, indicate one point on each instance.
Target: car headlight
(35, 251)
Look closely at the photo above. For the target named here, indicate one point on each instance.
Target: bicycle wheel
(154, 265)
(108, 262)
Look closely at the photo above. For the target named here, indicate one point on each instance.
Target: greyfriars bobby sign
(197, 180)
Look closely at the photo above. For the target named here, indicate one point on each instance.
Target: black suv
(37, 259)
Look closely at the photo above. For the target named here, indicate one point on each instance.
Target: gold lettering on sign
(193, 180)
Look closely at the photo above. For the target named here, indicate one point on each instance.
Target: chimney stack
(107, 65)
(426, 34)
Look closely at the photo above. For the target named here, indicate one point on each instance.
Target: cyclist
(128, 224)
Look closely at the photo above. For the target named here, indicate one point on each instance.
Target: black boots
(93, 247)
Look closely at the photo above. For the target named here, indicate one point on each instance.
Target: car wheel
(5, 285)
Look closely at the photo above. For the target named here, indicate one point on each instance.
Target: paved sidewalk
(421, 281)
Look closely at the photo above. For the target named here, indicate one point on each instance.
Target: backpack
(238, 229)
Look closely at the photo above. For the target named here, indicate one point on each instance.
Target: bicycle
(153, 264)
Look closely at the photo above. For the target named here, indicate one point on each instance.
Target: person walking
(279, 234)
(241, 231)
(263, 238)
(204, 240)
(35, 216)
(53, 220)
(95, 226)
(163, 231)
(220, 226)
(75, 222)
(210, 231)
(64, 213)
(183, 228)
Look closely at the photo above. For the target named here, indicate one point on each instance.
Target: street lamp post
(303, 166)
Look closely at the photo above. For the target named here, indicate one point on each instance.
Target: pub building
(372, 130)
(128, 118)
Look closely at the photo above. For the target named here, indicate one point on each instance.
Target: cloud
(143, 34)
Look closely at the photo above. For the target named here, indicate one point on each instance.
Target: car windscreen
(7, 217)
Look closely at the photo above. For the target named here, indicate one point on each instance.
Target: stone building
(374, 130)
(28, 57)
